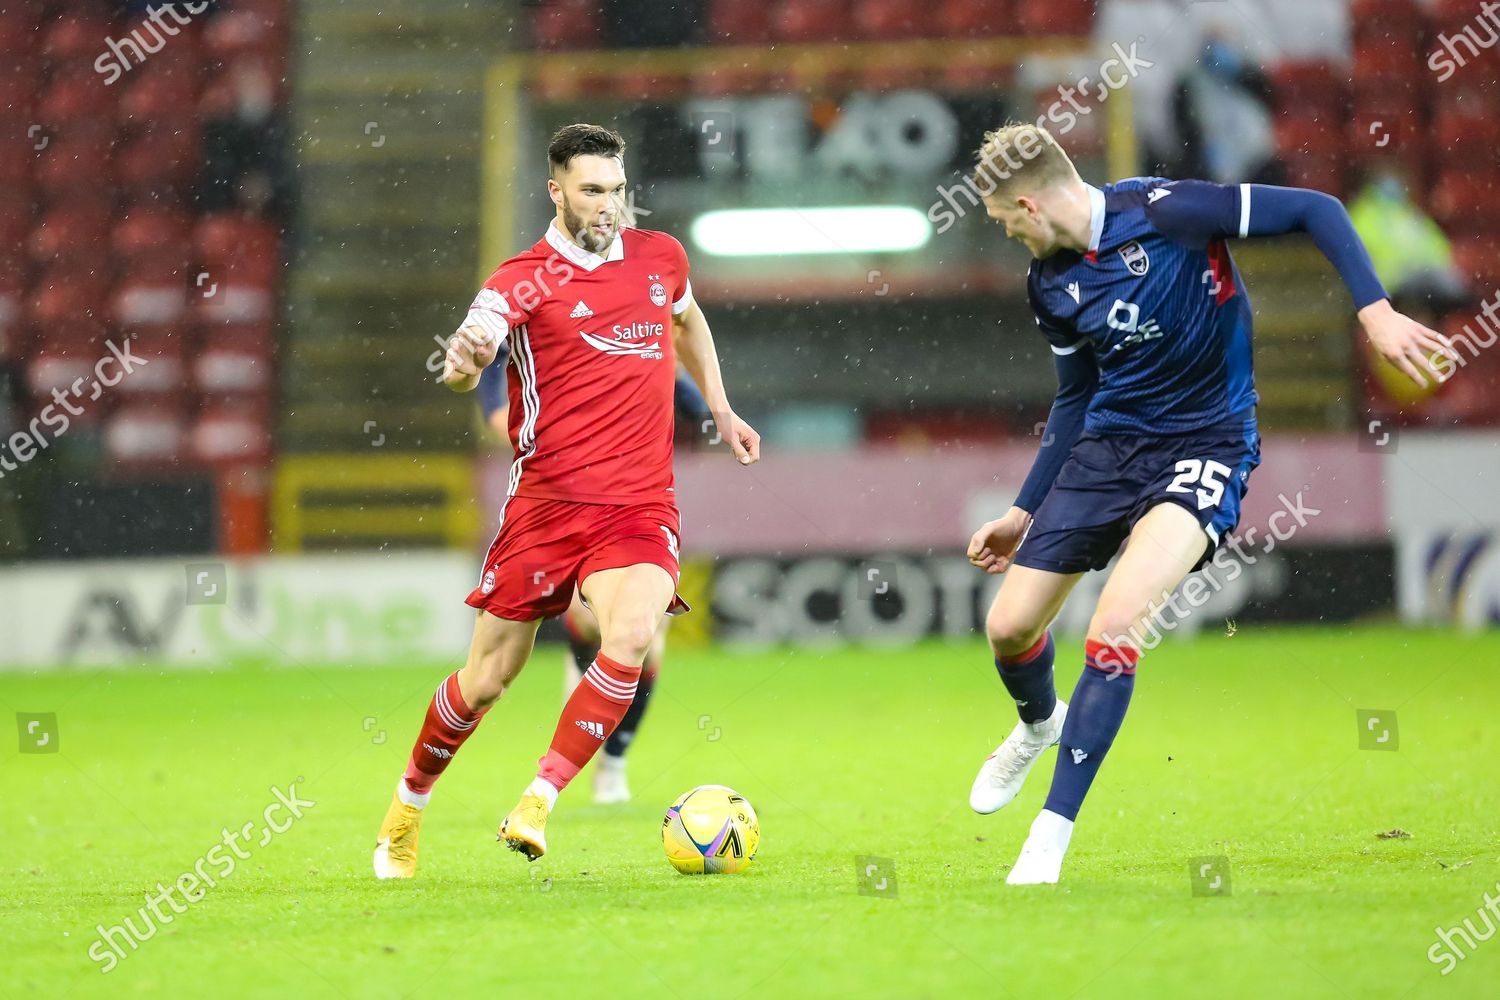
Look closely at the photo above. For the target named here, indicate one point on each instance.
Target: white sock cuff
(544, 788)
(411, 798)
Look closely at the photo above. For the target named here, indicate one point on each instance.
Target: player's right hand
(470, 351)
(995, 543)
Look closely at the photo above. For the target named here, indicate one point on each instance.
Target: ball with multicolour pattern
(711, 830)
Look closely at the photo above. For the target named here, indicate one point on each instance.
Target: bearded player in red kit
(595, 317)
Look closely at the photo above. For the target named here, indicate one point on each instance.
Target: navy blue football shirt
(1158, 299)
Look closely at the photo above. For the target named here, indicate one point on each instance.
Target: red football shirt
(591, 364)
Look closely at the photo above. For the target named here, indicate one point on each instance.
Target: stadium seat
(1478, 257)
(231, 434)
(1311, 88)
(147, 235)
(566, 24)
(50, 368)
(80, 161)
(76, 36)
(235, 360)
(72, 229)
(734, 22)
(976, 18)
(76, 98)
(161, 159)
(163, 352)
(243, 247)
(69, 302)
(888, 20)
(145, 434)
(1055, 17)
(159, 99)
(244, 31)
(1463, 200)
(1383, 19)
(811, 21)
(150, 294)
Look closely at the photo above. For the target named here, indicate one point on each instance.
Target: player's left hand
(1405, 343)
(743, 439)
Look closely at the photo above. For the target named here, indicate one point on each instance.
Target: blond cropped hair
(1020, 159)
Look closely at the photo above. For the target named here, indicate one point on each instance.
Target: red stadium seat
(76, 98)
(1463, 201)
(50, 368)
(240, 32)
(235, 360)
(243, 247)
(1467, 133)
(150, 295)
(883, 20)
(811, 21)
(163, 368)
(145, 434)
(76, 36)
(70, 302)
(1381, 19)
(977, 18)
(1479, 258)
(147, 235)
(18, 31)
(161, 159)
(73, 229)
(78, 161)
(734, 22)
(230, 435)
(16, 221)
(159, 100)
(1313, 88)
(1055, 17)
(566, 24)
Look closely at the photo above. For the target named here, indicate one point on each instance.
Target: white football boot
(1041, 857)
(1004, 771)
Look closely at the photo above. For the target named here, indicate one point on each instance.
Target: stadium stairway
(388, 109)
(1305, 364)
(388, 106)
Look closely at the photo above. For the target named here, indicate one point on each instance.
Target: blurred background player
(1151, 439)
(596, 316)
(610, 784)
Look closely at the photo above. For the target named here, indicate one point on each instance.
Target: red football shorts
(545, 548)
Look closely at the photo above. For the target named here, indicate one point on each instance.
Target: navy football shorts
(1109, 482)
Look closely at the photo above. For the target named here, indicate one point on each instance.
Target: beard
(583, 232)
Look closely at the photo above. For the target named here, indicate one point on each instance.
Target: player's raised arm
(694, 343)
(1204, 209)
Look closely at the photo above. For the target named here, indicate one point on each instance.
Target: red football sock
(449, 722)
(591, 714)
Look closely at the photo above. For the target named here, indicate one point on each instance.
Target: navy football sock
(1094, 718)
(1028, 678)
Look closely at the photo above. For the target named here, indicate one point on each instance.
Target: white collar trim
(1096, 217)
(578, 255)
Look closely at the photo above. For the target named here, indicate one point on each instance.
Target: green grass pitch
(1242, 746)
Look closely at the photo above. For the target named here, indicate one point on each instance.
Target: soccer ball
(710, 830)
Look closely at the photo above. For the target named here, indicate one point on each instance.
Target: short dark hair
(582, 140)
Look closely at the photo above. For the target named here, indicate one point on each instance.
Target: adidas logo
(1079, 756)
(442, 753)
(594, 729)
(580, 311)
